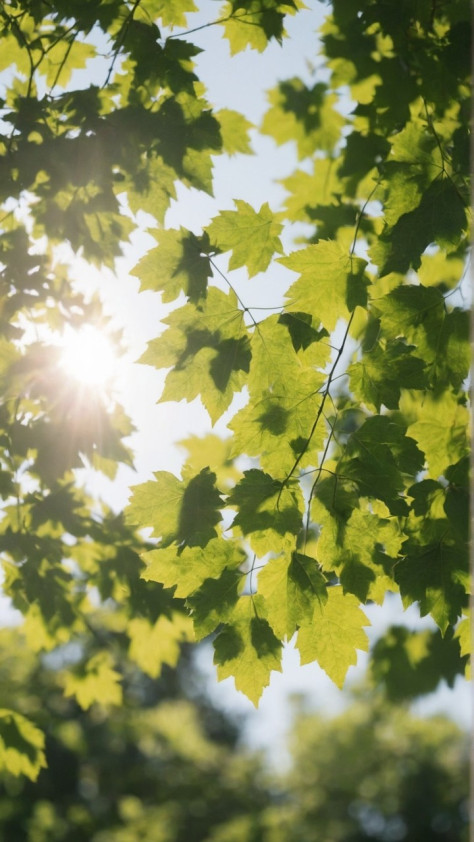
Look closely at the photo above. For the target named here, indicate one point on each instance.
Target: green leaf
(463, 634)
(381, 455)
(409, 664)
(436, 577)
(331, 283)
(176, 265)
(253, 23)
(188, 568)
(284, 402)
(415, 312)
(253, 237)
(452, 360)
(214, 601)
(304, 115)
(334, 635)
(380, 375)
(150, 188)
(268, 515)
(290, 586)
(21, 745)
(351, 540)
(155, 644)
(441, 431)
(400, 248)
(202, 450)
(170, 12)
(13, 54)
(184, 512)
(309, 190)
(97, 683)
(247, 649)
(440, 269)
(63, 58)
(234, 131)
(208, 347)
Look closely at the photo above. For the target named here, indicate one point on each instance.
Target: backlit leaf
(441, 431)
(247, 649)
(253, 237)
(334, 635)
(291, 585)
(184, 512)
(97, 683)
(188, 568)
(331, 282)
(21, 745)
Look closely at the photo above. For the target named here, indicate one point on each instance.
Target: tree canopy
(345, 473)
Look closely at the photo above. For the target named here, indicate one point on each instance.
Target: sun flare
(88, 356)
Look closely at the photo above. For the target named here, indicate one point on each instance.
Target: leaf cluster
(345, 476)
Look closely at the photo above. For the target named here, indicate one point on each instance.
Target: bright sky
(238, 83)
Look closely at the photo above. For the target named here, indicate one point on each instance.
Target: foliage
(375, 772)
(161, 767)
(165, 767)
(354, 426)
(355, 422)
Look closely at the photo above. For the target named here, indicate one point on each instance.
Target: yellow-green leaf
(331, 282)
(252, 236)
(98, 682)
(334, 635)
(21, 745)
(247, 650)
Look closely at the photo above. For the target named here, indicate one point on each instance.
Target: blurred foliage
(165, 766)
(376, 772)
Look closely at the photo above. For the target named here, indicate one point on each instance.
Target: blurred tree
(160, 767)
(376, 772)
(165, 766)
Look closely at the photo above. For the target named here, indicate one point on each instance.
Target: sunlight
(88, 356)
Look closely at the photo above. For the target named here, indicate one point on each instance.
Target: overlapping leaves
(345, 475)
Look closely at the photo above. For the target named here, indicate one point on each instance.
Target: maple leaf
(152, 645)
(415, 312)
(308, 190)
(234, 131)
(463, 634)
(214, 601)
(334, 635)
(290, 585)
(400, 248)
(186, 569)
(21, 745)
(379, 377)
(170, 12)
(186, 512)
(381, 454)
(305, 115)
(208, 349)
(253, 23)
(435, 576)
(268, 514)
(251, 236)
(176, 264)
(98, 682)
(284, 401)
(247, 650)
(409, 664)
(331, 282)
(441, 431)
